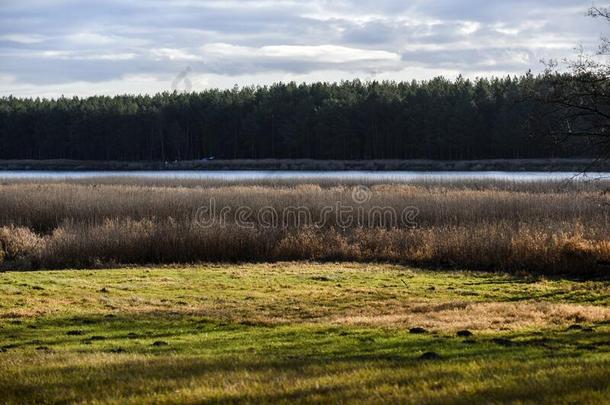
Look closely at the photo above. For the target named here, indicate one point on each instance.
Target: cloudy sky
(54, 47)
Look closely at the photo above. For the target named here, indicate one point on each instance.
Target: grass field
(301, 332)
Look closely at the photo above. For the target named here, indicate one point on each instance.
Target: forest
(353, 120)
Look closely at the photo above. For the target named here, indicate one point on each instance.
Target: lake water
(310, 175)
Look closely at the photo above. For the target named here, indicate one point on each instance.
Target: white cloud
(123, 85)
(310, 53)
(174, 55)
(23, 38)
(327, 53)
(101, 40)
(469, 27)
(92, 38)
(72, 55)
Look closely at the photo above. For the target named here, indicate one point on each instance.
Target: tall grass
(546, 227)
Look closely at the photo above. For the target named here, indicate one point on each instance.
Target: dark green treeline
(436, 119)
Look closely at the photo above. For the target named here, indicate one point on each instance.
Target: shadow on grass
(293, 362)
(270, 378)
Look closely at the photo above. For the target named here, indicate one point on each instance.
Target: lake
(309, 175)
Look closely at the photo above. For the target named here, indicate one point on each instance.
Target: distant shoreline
(513, 165)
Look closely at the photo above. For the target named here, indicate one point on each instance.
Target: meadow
(547, 227)
(301, 333)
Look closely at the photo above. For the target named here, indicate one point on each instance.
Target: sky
(65, 47)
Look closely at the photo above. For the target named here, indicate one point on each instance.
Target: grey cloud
(67, 40)
(373, 33)
(497, 11)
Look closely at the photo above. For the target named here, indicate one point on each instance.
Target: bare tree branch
(575, 95)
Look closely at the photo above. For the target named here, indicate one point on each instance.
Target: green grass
(300, 332)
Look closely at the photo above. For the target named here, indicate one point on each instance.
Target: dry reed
(539, 227)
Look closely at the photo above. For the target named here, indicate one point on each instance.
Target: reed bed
(543, 227)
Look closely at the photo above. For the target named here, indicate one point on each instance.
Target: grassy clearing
(295, 332)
